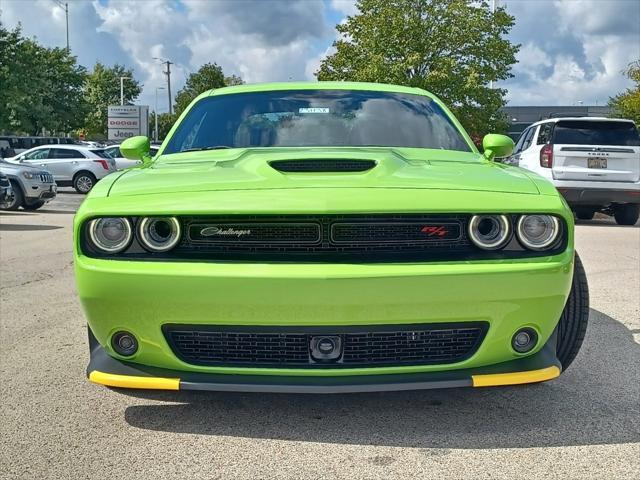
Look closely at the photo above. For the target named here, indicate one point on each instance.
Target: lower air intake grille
(290, 347)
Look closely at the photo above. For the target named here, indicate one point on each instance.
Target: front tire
(585, 213)
(33, 206)
(83, 182)
(572, 326)
(627, 214)
(18, 198)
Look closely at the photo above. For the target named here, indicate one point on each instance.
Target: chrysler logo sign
(225, 232)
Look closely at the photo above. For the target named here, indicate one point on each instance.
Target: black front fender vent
(322, 165)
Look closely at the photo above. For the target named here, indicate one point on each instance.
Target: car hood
(251, 169)
(7, 166)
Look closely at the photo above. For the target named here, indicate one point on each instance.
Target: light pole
(66, 14)
(122, 79)
(168, 63)
(155, 114)
(494, 4)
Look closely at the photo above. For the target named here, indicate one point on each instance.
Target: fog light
(124, 343)
(524, 340)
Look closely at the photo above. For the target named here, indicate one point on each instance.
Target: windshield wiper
(199, 149)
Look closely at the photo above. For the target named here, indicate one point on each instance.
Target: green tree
(165, 122)
(102, 88)
(453, 48)
(208, 76)
(627, 104)
(41, 87)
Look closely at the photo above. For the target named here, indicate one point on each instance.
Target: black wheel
(627, 214)
(585, 213)
(17, 200)
(575, 316)
(33, 206)
(83, 182)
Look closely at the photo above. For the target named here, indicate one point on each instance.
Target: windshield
(326, 118)
(589, 132)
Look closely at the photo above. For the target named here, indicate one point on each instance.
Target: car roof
(65, 146)
(275, 86)
(587, 119)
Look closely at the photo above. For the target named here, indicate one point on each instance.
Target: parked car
(18, 144)
(593, 162)
(71, 165)
(6, 192)
(32, 187)
(326, 237)
(122, 163)
(6, 150)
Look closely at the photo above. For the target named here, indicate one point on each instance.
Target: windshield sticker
(313, 110)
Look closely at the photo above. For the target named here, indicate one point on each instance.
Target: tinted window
(39, 154)
(113, 152)
(518, 147)
(527, 140)
(65, 153)
(544, 135)
(584, 132)
(316, 118)
(101, 153)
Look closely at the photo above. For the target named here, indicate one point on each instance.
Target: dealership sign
(124, 121)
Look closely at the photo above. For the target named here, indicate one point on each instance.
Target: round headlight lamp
(538, 232)
(489, 232)
(110, 234)
(159, 234)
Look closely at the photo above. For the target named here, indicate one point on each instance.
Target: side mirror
(136, 148)
(497, 146)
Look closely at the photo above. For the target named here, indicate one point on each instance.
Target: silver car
(32, 187)
(122, 163)
(71, 165)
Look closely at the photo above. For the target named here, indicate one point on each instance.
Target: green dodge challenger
(326, 237)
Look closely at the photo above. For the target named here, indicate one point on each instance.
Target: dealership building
(521, 117)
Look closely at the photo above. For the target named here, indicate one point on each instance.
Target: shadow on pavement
(594, 402)
(65, 212)
(26, 228)
(602, 220)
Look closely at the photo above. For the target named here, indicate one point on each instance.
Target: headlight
(111, 235)
(538, 232)
(28, 175)
(159, 234)
(489, 232)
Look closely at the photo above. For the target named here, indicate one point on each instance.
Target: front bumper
(141, 297)
(106, 370)
(37, 191)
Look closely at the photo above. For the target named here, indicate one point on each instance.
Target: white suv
(71, 165)
(593, 162)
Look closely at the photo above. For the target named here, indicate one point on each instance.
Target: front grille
(254, 233)
(322, 166)
(290, 346)
(46, 178)
(372, 238)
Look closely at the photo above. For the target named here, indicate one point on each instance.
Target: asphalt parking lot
(55, 424)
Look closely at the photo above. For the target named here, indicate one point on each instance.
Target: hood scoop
(317, 165)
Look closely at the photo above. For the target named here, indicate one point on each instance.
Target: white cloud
(346, 7)
(571, 50)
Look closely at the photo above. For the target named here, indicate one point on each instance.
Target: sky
(572, 51)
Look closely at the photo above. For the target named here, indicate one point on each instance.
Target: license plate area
(597, 162)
